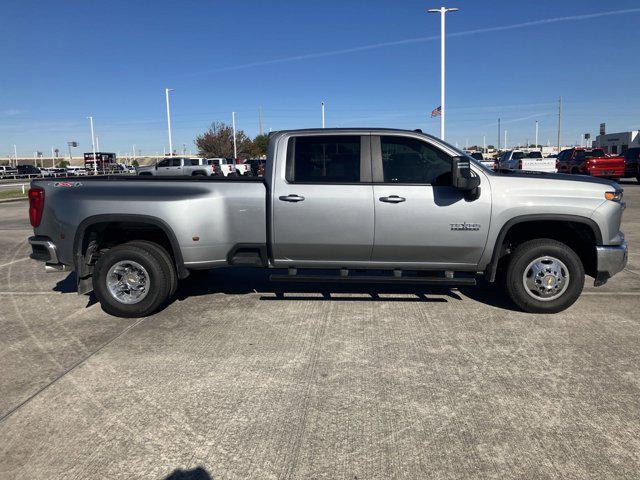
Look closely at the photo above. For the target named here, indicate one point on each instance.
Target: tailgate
(606, 166)
(539, 164)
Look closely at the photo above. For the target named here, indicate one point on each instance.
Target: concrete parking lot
(237, 380)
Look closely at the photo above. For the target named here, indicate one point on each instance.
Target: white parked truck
(526, 161)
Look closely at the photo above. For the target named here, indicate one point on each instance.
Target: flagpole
(442, 11)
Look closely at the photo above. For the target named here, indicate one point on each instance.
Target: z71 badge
(465, 226)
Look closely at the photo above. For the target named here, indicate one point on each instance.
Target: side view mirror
(463, 179)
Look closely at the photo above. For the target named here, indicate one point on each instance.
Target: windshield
(535, 155)
(518, 155)
(595, 153)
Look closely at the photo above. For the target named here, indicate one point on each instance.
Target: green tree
(217, 142)
(260, 144)
(135, 163)
(63, 164)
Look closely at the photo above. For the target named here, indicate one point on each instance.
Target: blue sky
(65, 60)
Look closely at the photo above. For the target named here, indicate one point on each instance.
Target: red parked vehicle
(632, 163)
(588, 161)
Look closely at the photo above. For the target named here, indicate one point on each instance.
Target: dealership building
(618, 142)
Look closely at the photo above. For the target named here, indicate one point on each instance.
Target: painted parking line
(15, 261)
(613, 294)
(32, 293)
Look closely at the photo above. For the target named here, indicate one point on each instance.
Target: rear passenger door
(323, 201)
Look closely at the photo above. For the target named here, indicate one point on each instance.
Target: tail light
(520, 164)
(557, 164)
(36, 205)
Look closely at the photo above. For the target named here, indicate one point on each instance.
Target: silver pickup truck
(179, 166)
(371, 205)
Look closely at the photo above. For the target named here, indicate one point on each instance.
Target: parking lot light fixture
(235, 147)
(442, 11)
(166, 95)
(93, 147)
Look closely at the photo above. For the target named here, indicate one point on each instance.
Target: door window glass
(409, 160)
(164, 163)
(324, 159)
(176, 162)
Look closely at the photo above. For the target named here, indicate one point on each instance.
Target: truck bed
(205, 216)
(153, 178)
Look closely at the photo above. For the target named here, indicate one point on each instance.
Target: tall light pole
(536, 133)
(505, 138)
(166, 95)
(235, 147)
(559, 121)
(15, 155)
(322, 105)
(442, 11)
(93, 147)
(484, 144)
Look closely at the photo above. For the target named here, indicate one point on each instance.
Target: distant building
(617, 142)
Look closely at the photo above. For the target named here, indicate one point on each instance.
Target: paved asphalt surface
(234, 381)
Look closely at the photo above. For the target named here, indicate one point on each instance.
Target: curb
(7, 200)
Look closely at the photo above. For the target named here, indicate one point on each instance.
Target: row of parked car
(31, 171)
(577, 161)
(186, 166)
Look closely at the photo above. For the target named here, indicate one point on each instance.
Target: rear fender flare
(108, 218)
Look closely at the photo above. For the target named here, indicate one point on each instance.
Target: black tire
(198, 174)
(173, 276)
(575, 171)
(528, 252)
(158, 267)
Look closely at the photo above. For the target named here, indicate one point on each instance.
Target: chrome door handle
(291, 198)
(392, 199)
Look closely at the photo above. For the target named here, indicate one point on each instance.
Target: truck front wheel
(544, 276)
(133, 279)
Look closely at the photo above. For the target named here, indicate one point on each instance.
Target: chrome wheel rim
(546, 278)
(128, 282)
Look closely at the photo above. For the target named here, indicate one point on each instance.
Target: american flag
(436, 112)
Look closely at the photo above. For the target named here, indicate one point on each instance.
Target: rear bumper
(611, 260)
(611, 172)
(44, 250)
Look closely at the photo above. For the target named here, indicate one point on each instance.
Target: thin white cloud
(408, 41)
(11, 112)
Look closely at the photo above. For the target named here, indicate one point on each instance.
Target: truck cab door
(421, 219)
(163, 167)
(322, 201)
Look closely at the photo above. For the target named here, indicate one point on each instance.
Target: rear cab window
(324, 159)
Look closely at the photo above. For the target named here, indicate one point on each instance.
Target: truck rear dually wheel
(133, 279)
(544, 276)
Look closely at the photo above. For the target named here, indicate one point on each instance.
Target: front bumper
(611, 260)
(43, 249)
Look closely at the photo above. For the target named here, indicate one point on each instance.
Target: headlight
(614, 196)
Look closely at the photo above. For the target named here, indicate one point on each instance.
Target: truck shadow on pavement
(197, 473)
(242, 281)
